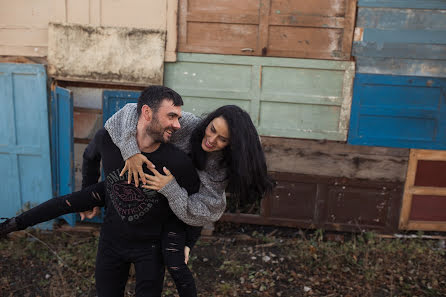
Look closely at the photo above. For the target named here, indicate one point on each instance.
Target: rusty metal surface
(341, 204)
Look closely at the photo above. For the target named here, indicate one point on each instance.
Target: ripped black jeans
(76, 202)
(173, 243)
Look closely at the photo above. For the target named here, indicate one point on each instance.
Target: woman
(224, 147)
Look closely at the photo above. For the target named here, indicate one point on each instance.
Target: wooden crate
(319, 29)
(424, 202)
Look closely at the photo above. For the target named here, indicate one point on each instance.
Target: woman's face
(216, 136)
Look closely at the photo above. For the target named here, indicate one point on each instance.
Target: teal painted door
(299, 98)
(62, 149)
(24, 138)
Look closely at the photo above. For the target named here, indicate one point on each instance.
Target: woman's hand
(186, 254)
(134, 167)
(158, 181)
(89, 214)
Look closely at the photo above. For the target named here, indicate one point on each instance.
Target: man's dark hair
(152, 96)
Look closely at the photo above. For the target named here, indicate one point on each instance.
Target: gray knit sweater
(198, 209)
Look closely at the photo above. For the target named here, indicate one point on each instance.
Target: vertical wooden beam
(407, 197)
(347, 94)
(182, 25)
(172, 31)
(256, 89)
(95, 12)
(59, 10)
(349, 26)
(262, 45)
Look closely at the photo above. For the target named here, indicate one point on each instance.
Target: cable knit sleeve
(122, 129)
(205, 206)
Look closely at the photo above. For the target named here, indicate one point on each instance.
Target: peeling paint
(106, 54)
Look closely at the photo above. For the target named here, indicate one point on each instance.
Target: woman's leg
(173, 242)
(78, 201)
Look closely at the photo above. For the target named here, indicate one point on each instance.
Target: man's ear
(146, 112)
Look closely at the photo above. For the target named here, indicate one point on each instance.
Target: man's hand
(158, 181)
(134, 167)
(186, 254)
(89, 214)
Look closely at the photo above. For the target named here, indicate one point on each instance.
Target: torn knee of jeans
(172, 234)
(172, 250)
(174, 268)
(68, 202)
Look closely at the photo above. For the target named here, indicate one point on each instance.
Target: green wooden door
(299, 98)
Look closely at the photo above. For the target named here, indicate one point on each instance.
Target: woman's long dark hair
(244, 157)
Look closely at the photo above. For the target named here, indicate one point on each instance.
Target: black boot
(7, 227)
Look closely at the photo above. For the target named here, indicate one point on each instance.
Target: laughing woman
(224, 147)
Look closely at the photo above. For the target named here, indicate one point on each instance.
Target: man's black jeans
(112, 268)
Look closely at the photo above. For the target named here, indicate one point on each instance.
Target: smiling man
(137, 219)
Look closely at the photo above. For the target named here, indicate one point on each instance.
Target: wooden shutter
(424, 202)
(321, 29)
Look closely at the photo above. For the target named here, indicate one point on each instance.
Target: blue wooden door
(24, 138)
(112, 101)
(62, 149)
(398, 111)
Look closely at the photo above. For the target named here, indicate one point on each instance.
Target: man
(134, 219)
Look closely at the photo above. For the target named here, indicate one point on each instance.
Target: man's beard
(155, 131)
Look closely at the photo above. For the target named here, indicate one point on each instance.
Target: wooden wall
(24, 24)
(320, 29)
(400, 37)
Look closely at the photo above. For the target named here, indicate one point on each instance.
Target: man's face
(164, 121)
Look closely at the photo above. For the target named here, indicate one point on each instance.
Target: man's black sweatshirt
(136, 214)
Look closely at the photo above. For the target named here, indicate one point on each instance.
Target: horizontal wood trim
(82, 140)
(400, 50)
(271, 61)
(426, 191)
(426, 225)
(303, 133)
(306, 21)
(260, 220)
(404, 36)
(213, 49)
(84, 81)
(308, 54)
(424, 4)
(29, 51)
(397, 66)
(301, 99)
(223, 18)
(430, 155)
(87, 110)
(401, 19)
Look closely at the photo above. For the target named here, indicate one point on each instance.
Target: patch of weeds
(234, 268)
(225, 289)
(262, 237)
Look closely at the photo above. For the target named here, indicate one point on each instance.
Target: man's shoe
(7, 227)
